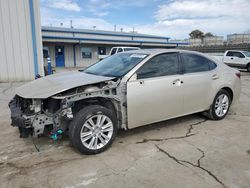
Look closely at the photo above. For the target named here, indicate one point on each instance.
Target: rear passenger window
(194, 63)
(235, 54)
(238, 54)
(119, 50)
(211, 64)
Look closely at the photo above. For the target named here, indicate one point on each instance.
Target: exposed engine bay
(52, 116)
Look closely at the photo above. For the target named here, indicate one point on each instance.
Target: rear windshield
(247, 54)
(129, 49)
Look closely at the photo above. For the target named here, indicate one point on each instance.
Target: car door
(229, 58)
(239, 59)
(199, 75)
(156, 93)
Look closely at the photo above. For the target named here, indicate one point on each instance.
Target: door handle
(177, 82)
(215, 77)
(141, 81)
(231, 58)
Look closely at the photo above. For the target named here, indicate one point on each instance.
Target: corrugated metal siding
(51, 54)
(69, 55)
(36, 4)
(16, 50)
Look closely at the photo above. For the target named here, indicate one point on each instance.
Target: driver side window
(160, 65)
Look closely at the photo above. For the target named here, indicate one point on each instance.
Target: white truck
(237, 58)
(118, 49)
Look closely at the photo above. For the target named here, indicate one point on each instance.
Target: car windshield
(116, 65)
(247, 54)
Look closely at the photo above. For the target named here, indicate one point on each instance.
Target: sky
(169, 18)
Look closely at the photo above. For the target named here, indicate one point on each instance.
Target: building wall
(16, 45)
(238, 38)
(38, 30)
(215, 40)
(207, 41)
(195, 42)
(69, 54)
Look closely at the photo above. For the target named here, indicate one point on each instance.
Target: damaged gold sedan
(124, 91)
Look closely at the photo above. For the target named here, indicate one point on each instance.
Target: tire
(85, 128)
(248, 67)
(216, 115)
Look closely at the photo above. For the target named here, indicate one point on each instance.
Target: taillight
(238, 74)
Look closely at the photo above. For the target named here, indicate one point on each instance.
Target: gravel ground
(185, 152)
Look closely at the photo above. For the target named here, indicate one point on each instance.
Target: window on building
(59, 51)
(101, 50)
(161, 65)
(86, 52)
(194, 63)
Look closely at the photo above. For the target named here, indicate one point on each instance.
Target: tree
(208, 35)
(196, 34)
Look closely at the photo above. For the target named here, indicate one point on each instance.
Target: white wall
(16, 47)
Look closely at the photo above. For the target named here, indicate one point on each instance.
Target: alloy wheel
(221, 105)
(96, 132)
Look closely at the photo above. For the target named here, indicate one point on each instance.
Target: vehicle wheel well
(229, 90)
(107, 103)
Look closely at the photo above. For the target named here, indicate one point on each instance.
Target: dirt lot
(185, 152)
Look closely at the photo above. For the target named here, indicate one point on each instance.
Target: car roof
(235, 51)
(125, 47)
(159, 50)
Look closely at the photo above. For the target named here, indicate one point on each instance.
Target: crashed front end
(38, 117)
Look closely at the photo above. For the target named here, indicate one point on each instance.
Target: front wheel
(220, 106)
(93, 129)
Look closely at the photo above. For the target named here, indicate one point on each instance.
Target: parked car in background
(124, 91)
(238, 59)
(118, 49)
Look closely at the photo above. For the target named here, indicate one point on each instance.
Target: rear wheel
(93, 129)
(220, 106)
(248, 67)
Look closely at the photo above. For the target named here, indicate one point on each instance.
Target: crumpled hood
(50, 85)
